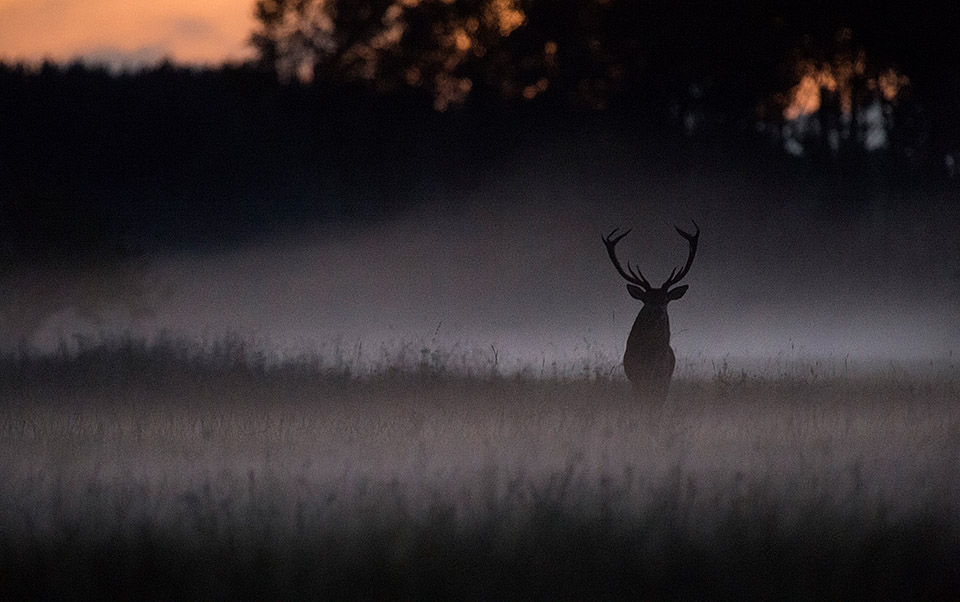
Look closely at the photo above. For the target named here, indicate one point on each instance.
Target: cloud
(122, 59)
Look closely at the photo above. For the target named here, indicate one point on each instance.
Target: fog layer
(514, 268)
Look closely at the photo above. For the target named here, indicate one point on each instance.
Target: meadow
(164, 471)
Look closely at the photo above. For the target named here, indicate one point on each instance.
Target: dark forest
(175, 156)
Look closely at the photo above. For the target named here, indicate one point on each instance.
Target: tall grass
(170, 471)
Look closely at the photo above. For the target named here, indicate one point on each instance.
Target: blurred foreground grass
(162, 471)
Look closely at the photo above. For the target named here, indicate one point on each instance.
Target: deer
(648, 360)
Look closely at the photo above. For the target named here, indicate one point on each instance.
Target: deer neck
(652, 327)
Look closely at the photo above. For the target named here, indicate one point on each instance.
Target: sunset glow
(131, 32)
(839, 77)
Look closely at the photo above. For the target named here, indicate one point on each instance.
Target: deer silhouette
(648, 360)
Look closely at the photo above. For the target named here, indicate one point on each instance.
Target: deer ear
(678, 292)
(636, 292)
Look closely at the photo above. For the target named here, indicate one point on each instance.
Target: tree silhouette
(95, 162)
(714, 68)
(445, 48)
(583, 51)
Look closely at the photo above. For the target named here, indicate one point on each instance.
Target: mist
(511, 269)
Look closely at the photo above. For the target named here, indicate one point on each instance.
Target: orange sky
(128, 31)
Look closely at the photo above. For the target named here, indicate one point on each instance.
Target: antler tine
(610, 241)
(617, 239)
(635, 272)
(692, 239)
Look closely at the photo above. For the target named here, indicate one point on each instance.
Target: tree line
(352, 105)
(721, 66)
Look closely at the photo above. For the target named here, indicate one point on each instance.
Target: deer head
(639, 287)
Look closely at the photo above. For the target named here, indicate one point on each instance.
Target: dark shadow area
(176, 158)
(547, 553)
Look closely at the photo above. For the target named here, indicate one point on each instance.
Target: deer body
(648, 360)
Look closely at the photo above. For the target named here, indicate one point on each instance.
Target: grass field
(130, 471)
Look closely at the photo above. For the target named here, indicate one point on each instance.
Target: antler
(631, 277)
(675, 276)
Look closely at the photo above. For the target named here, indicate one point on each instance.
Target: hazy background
(516, 262)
